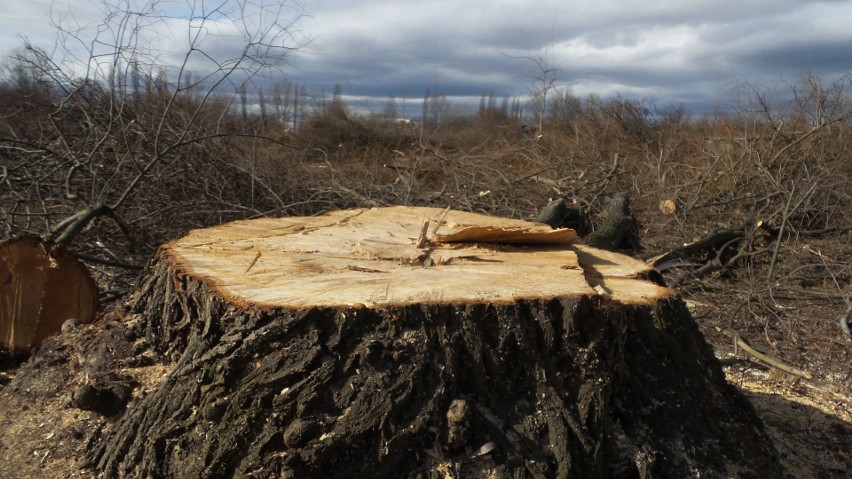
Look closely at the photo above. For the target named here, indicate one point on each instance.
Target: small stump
(403, 342)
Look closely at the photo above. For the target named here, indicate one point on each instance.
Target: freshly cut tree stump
(418, 342)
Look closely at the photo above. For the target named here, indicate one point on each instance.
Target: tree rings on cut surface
(41, 286)
(397, 256)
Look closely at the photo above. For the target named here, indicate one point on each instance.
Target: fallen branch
(717, 246)
(71, 226)
(107, 262)
(716, 264)
(722, 236)
(740, 342)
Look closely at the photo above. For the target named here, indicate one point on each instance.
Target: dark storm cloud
(692, 53)
(829, 56)
(682, 52)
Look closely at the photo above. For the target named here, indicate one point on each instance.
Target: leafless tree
(542, 77)
(99, 133)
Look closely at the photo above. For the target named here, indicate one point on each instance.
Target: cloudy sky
(691, 53)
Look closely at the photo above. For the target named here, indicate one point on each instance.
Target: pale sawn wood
(370, 257)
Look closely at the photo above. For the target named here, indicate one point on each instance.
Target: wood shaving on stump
(345, 345)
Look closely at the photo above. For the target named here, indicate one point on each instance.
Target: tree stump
(419, 342)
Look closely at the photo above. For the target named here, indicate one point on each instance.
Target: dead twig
(75, 223)
(107, 262)
(423, 237)
(440, 221)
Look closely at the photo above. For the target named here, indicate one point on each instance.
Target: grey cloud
(829, 56)
(674, 52)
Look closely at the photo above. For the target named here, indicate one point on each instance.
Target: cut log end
(41, 286)
(377, 258)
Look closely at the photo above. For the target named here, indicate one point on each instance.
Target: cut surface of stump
(410, 342)
(41, 286)
(372, 258)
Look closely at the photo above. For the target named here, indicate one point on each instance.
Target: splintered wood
(395, 256)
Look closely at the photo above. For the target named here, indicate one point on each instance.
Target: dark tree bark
(559, 213)
(578, 385)
(616, 230)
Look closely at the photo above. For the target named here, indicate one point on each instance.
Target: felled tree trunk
(412, 342)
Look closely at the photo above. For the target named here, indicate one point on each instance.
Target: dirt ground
(810, 421)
